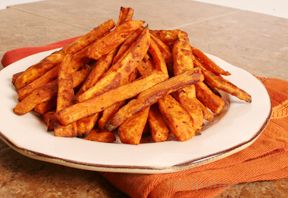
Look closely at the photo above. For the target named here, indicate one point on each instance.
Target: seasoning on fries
(124, 79)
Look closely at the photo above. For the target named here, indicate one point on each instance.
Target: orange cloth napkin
(17, 54)
(266, 159)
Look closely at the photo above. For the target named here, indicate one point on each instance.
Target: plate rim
(135, 169)
(140, 169)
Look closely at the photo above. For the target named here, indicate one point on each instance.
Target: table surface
(255, 42)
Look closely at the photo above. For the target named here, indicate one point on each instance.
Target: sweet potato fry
(38, 96)
(159, 130)
(207, 114)
(152, 95)
(183, 61)
(191, 105)
(85, 125)
(65, 94)
(164, 49)
(130, 132)
(208, 63)
(101, 136)
(89, 37)
(50, 120)
(37, 70)
(157, 57)
(69, 130)
(79, 76)
(127, 65)
(15, 76)
(177, 118)
(46, 106)
(77, 128)
(45, 93)
(166, 36)
(39, 82)
(103, 64)
(113, 39)
(126, 44)
(99, 68)
(208, 98)
(138, 80)
(101, 102)
(108, 113)
(220, 83)
(77, 60)
(125, 15)
(182, 57)
(97, 72)
(145, 68)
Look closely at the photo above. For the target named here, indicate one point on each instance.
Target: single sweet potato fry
(101, 136)
(126, 44)
(220, 83)
(208, 98)
(177, 118)
(208, 63)
(125, 15)
(69, 130)
(152, 95)
(166, 36)
(65, 94)
(113, 39)
(182, 57)
(46, 106)
(127, 65)
(50, 120)
(164, 49)
(37, 70)
(101, 102)
(145, 68)
(191, 105)
(89, 37)
(157, 58)
(130, 132)
(15, 76)
(85, 125)
(159, 130)
(45, 93)
(39, 82)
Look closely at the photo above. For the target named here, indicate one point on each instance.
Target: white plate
(240, 126)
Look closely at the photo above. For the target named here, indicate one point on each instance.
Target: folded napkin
(266, 159)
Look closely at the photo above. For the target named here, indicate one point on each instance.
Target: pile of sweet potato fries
(128, 80)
